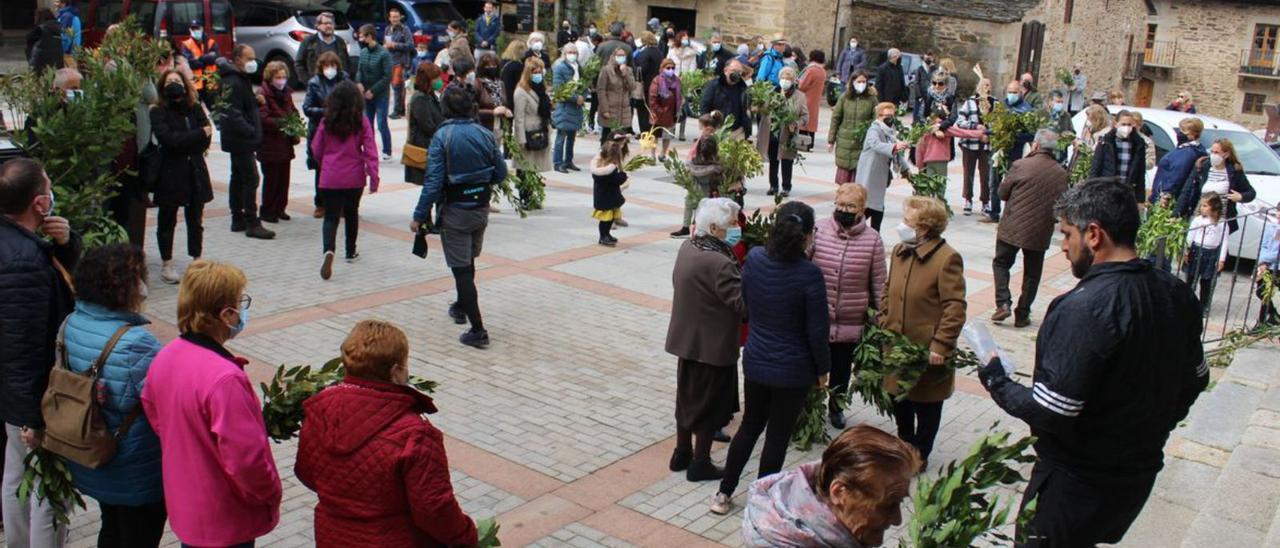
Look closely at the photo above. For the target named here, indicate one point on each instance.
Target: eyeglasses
(245, 301)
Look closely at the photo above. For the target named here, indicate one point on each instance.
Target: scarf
(544, 102)
(667, 86)
(707, 242)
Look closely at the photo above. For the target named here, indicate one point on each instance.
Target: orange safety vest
(197, 52)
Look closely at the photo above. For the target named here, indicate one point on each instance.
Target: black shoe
(459, 317)
(269, 219)
(284, 216)
(682, 233)
(784, 193)
(256, 231)
(1021, 320)
(837, 419)
(608, 241)
(561, 169)
(720, 436)
(237, 225)
(771, 192)
(572, 167)
(703, 470)
(473, 338)
(396, 116)
(353, 257)
(680, 460)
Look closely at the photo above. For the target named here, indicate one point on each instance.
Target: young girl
(704, 161)
(344, 146)
(1206, 247)
(608, 182)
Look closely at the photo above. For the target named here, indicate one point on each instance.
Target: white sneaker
(168, 274)
(386, 157)
(721, 504)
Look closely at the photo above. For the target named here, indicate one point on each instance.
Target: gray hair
(324, 15)
(1046, 138)
(721, 212)
(743, 49)
(64, 77)
(894, 52)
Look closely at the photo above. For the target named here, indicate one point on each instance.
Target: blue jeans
(378, 105)
(562, 154)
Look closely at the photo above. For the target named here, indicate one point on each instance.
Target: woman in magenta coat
(276, 153)
(344, 146)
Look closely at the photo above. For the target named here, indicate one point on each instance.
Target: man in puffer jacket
(377, 464)
(851, 256)
(241, 129)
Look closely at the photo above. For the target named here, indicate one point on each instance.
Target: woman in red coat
(276, 152)
(664, 96)
(378, 466)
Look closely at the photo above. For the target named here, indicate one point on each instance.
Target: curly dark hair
(792, 225)
(344, 110)
(109, 276)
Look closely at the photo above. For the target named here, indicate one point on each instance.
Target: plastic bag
(980, 339)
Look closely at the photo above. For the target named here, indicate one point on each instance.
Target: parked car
(165, 19)
(1261, 164)
(429, 17)
(276, 28)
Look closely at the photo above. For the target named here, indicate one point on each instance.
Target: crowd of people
(193, 449)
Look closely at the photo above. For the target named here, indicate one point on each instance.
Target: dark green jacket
(850, 112)
(374, 70)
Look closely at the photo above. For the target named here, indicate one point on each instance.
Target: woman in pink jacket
(344, 147)
(851, 256)
(933, 152)
(220, 482)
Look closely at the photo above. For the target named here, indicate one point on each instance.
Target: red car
(168, 19)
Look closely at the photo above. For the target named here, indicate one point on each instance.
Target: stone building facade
(808, 24)
(1223, 52)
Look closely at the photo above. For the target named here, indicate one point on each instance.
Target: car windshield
(1250, 150)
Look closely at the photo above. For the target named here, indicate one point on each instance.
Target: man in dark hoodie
(241, 132)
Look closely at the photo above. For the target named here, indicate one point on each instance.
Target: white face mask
(620, 60)
(330, 72)
(536, 46)
(860, 87)
(639, 43)
(906, 234)
(197, 35)
(1123, 131)
(785, 84)
(684, 42)
(853, 44)
(251, 67)
(1217, 159)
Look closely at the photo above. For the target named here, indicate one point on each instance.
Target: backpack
(74, 426)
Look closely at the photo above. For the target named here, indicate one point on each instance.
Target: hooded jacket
(783, 511)
(241, 123)
(379, 468)
(1174, 168)
(853, 264)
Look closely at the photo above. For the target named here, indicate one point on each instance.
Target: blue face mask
(1057, 107)
(1012, 98)
(536, 78)
(239, 326)
(732, 236)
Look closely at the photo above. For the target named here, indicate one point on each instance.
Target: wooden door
(1030, 48)
(1143, 97)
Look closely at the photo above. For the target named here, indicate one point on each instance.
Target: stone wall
(808, 24)
(1097, 37)
(1212, 37)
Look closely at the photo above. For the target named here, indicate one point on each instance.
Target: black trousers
(1072, 511)
(130, 212)
(132, 526)
(773, 407)
(344, 203)
(841, 370)
(167, 220)
(787, 166)
(243, 196)
(918, 423)
(875, 216)
(642, 112)
(1032, 268)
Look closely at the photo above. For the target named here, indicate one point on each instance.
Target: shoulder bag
(74, 426)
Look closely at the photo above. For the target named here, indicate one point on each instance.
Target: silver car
(276, 28)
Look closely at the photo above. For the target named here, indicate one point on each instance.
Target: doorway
(1145, 90)
(17, 14)
(1029, 49)
(682, 19)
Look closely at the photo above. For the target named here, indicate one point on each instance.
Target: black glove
(208, 58)
(991, 372)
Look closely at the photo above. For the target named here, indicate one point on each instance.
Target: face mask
(364, 45)
(279, 83)
(888, 120)
(715, 46)
(536, 78)
(74, 94)
(452, 34)
(732, 236)
(52, 203)
(330, 72)
(846, 218)
(197, 35)
(471, 78)
(759, 47)
(423, 53)
(1123, 131)
(592, 31)
(734, 78)
(684, 42)
(1057, 107)
(437, 84)
(859, 87)
(620, 60)
(1217, 159)
(239, 326)
(853, 45)
(906, 234)
(639, 43)
(785, 84)
(571, 57)
(488, 72)
(1011, 98)
(174, 90)
(669, 72)
(251, 67)
(536, 46)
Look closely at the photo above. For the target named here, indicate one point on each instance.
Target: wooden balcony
(1162, 54)
(1264, 64)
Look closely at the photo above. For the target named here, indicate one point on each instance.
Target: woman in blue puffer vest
(111, 285)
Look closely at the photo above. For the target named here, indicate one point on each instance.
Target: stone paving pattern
(562, 428)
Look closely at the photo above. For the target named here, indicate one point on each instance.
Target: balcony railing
(1260, 62)
(1133, 65)
(1161, 54)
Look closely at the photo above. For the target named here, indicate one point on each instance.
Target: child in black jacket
(608, 182)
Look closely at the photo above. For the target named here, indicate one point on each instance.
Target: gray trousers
(27, 525)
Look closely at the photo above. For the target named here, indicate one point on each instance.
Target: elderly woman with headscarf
(706, 314)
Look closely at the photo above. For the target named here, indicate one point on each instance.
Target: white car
(1260, 164)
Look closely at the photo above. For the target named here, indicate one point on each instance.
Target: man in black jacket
(1118, 365)
(716, 57)
(1122, 153)
(728, 94)
(241, 136)
(35, 296)
(890, 84)
(648, 61)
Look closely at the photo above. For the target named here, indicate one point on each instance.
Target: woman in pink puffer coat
(851, 256)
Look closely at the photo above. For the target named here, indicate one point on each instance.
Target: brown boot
(318, 213)
(1001, 313)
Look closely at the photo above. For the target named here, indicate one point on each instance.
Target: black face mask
(888, 121)
(846, 218)
(734, 77)
(1182, 137)
(488, 72)
(174, 90)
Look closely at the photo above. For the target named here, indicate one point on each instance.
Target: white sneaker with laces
(721, 504)
(168, 274)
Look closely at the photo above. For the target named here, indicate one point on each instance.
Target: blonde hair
(1191, 125)
(1097, 117)
(515, 50)
(1229, 152)
(885, 105)
(373, 348)
(931, 213)
(648, 38)
(854, 193)
(269, 72)
(1116, 94)
(530, 64)
(787, 72)
(947, 65)
(207, 289)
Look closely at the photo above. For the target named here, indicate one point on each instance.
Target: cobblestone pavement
(563, 427)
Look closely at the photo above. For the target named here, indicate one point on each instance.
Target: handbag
(413, 156)
(804, 140)
(536, 140)
(74, 426)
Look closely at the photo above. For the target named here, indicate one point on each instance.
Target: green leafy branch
(1161, 225)
(1238, 339)
(524, 188)
(46, 475)
(883, 354)
(293, 125)
(691, 84)
(487, 532)
(1065, 77)
(811, 427)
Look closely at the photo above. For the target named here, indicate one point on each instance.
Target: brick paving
(562, 428)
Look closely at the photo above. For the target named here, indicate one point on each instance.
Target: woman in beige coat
(778, 144)
(532, 110)
(924, 300)
(616, 86)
